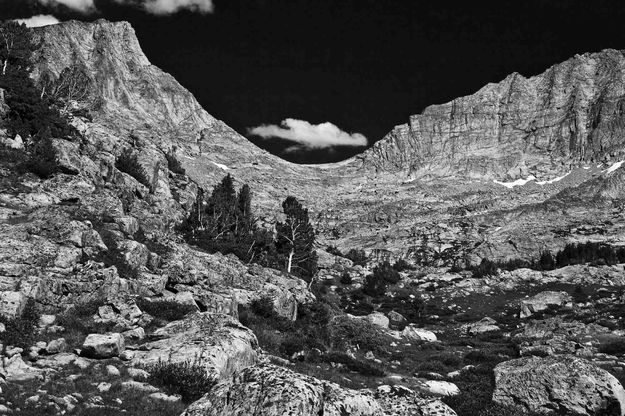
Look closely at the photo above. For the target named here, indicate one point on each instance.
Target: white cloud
(312, 136)
(39, 20)
(83, 6)
(161, 7)
(172, 6)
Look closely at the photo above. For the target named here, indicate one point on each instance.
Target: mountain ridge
(573, 111)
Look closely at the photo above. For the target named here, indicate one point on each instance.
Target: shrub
(387, 273)
(291, 345)
(358, 257)
(42, 161)
(167, 310)
(346, 278)
(20, 332)
(345, 332)
(486, 268)
(402, 265)
(128, 162)
(448, 359)
(315, 313)
(263, 307)
(432, 367)
(173, 164)
(334, 250)
(188, 379)
(383, 274)
(374, 285)
(476, 388)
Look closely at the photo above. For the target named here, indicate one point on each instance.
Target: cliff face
(572, 113)
(124, 84)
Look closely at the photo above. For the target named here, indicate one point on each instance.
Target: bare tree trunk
(288, 267)
(4, 66)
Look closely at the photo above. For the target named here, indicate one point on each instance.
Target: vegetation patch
(20, 332)
(188, 379)
(128, 162)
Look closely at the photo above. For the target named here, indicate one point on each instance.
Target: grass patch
(165, 310)
(361, 367)
(188, 379)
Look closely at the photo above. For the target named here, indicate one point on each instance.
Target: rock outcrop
(562, 384)
(267, 390)
(217, 342)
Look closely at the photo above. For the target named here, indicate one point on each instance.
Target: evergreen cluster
(383, 275)
(573, 253)
(224, 222)
(30, 114)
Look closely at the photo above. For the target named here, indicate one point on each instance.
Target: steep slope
(572, 113)
(130, 97)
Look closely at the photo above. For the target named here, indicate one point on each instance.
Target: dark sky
(362, 65)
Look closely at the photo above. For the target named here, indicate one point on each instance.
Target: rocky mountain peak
(570, 114)
(123, 83)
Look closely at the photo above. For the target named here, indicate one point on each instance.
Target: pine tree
(245, 220)
(29, 114)
(295, 239)
(221, 210)
(194, 224)
(15, 49)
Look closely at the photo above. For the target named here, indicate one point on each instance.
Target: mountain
(431, 178)
(571, 114)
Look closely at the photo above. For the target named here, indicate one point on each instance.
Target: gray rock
(412, 333)
(378, 318)
(103, 346)
(56, 346)
(12, 304)
(484, 325)
(267, 390)
(543, 301)
(558, 383)
(216, 342)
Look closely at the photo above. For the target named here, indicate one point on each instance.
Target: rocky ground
(106, 310)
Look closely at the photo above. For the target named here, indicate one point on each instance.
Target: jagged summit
(572, 113)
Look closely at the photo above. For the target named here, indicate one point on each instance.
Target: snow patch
(219, 165)
(518, 182)
(559, 178)
(614, 167)
(521, 182)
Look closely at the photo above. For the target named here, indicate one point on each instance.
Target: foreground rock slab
(268, 390)
(558, 383)
(215, 341)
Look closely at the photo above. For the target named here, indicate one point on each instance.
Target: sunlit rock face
(571, 113)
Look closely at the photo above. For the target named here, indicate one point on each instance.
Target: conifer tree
(29, 114)
(221, 210)
(295, 239)
(245, 220)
